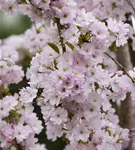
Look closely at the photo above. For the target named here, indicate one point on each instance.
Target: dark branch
(124, 70)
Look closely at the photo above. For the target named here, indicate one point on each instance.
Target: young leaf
(70, 45)
(54, 47)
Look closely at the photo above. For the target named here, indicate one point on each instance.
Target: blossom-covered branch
(67, 50)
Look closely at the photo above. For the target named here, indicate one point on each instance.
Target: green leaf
(113, 47)
(54, 47)
(55, 64)
(109, 132)
(24, 1)
(70, 45)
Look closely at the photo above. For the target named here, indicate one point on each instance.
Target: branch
(17, 146)
(59, 26)
(124, 70)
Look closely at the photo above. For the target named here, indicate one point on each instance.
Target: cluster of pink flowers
(67, 45)
(18, 122)
(104, 9)
(113, 8)
(10, 72)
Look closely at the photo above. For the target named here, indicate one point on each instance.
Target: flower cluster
(75, 99)
(104, 9)
(67, 44)
(113, 8)
(18, 122)
(10, 72)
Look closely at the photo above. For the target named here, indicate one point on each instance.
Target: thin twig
(59, 26)
(37, 31)
(131, 5)
(124, 70)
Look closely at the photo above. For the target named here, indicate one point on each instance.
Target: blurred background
(14, 25)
